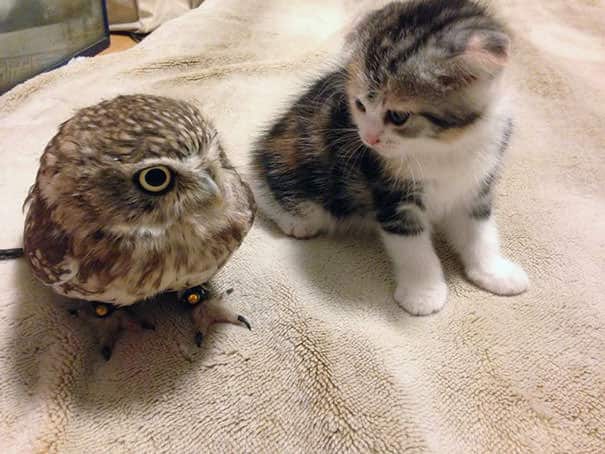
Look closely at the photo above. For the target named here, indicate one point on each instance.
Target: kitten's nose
(372, 139)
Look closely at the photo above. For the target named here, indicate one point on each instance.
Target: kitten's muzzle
(371, 139)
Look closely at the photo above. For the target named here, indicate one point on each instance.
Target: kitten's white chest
(452, 180)
(442, 195)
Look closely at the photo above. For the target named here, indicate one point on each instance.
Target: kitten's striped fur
(408, 133)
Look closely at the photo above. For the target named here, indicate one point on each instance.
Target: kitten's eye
(154, 180)
(360, 105)
(397, 118)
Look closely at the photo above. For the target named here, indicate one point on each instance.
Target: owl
(135, 197)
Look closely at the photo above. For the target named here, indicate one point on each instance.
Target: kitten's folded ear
(478, 54)
(489, 50)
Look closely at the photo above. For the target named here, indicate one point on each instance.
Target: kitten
(408, 134)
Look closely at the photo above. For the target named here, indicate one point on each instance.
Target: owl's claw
(214, 311)
(106, 351)
(243, 320)
(111, 329)
(109, 322)
(199, 338)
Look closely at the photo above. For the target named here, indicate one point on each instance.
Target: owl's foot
(210, 310)
(111, 328)
(109, 322)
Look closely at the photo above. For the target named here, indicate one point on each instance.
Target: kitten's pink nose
(372, 139)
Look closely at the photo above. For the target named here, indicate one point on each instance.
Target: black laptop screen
(38, 35)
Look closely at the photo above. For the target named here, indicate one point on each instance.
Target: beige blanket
(332, 363)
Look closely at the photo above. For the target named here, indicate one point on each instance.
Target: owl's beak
(211, 187)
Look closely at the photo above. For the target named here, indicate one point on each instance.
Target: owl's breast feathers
(92, 263)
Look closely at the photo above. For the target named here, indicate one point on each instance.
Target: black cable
(8, 254)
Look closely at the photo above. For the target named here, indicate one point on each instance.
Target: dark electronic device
(40, 35)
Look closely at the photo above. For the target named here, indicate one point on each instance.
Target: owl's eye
(397, 118)
(155, 180)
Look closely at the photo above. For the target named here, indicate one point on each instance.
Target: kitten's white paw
(421, 300)
(299, 228)
(500, 276)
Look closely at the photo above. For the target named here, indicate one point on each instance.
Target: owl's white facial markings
(187, 188)
(151, 231)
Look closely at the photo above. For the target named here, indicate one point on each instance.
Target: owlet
(135, 197)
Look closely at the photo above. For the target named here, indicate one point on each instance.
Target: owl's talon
(199, 338)
(243, 320)
(215, 311)
(110, 322)
(106, 352)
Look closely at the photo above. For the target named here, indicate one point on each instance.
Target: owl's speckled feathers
(97, 229)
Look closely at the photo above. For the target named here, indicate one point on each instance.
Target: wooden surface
(118, 44)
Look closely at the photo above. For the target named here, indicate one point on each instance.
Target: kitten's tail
(9, 254)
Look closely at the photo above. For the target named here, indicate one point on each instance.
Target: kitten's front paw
(500, 276)
(421, 300)
(299, 229)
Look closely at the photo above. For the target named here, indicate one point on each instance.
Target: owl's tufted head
(131, 163)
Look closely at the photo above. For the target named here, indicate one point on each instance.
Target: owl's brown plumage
(134, 197)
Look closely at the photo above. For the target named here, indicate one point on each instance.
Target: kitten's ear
(479, 54)
(489, 49)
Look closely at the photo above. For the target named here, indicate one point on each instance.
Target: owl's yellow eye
(155, 180)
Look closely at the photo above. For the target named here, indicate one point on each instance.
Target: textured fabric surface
(332, 363)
